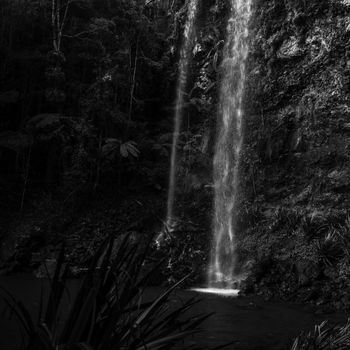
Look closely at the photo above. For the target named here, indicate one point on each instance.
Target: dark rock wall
(294, 231)
(295, 167)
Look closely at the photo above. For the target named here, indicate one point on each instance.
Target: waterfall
(228, 147)
(185, 54)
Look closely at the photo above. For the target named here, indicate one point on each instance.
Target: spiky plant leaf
(324, 337)
(109, 311)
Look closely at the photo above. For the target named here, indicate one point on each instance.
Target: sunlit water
(226, 163)
(185, 55)
(218, 291)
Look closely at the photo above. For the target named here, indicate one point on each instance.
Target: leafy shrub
(330, 249)
(324, 337)
(109, 311)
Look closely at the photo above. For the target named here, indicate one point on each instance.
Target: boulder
(290, 49)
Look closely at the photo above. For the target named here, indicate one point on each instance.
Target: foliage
(185, 247)
(298, 256)
(330, 250)
(324, 337)
(76, 105)
(126, 149)
(110, 309)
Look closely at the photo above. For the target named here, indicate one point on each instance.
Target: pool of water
(250, 322)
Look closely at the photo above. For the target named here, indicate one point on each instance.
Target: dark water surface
(252, 323)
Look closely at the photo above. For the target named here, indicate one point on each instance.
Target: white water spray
(185, 55)
(228, 148)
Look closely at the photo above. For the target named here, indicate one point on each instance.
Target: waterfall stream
(226, 162)
(222, 270)
(185, 55)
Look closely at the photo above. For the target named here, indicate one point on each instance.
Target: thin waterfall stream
(222, 275)
(185, 55)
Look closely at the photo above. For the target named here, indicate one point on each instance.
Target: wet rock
(76, 271)
(304, 195)
(345, 2)
(248, 285)
(297, 141)
(46, 269)
(339, 180)
(290, 49)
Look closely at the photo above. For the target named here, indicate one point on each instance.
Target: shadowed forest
(88, 95)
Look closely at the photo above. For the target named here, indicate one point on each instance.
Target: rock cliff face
(294, 230)
(296, 172)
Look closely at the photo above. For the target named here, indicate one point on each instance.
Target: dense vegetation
(86, 114)
(87, 100)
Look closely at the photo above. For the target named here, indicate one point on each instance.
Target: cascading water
(229, 146)
(185, 55)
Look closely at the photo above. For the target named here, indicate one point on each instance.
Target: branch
(81, 33)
